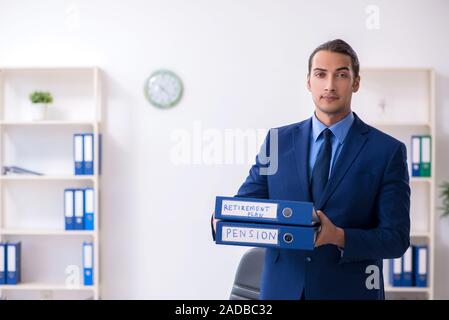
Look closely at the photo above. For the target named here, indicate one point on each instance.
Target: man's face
(331, 82)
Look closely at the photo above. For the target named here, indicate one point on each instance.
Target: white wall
(243, 64)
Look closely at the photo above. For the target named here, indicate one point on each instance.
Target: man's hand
(329, 233)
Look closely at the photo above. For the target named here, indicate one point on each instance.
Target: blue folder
(264, 235)
(88, 144)
(2, 263)
(265, 211)
(416, 156)
(69, 209)
(13, 250)
(79, 209)
(407, 268)
(78, 153)
(89, 208)
(395, 269)
(88, 263)
(420, 265)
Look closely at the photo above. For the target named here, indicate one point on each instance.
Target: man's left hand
(329, 233)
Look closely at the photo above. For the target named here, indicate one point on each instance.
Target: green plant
(445, 195)
(41, 97)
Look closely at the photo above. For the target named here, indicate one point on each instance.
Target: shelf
(38, 286)
(420, 234)
(46, 232)
(49, 68)
(49, 177)
(423, 179)
(47, 123)
(406, 289)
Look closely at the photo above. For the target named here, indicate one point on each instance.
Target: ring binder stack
(266, 223)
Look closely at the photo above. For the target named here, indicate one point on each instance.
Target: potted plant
(39, 103)
(445, 196)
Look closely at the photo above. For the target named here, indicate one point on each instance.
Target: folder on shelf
(420, 265)
(69, 209)
(78, 153)
(88, 263)
(79, 209)
(89, 209)
(2, 263)
(426, 149)
(13, 250)
(407, 272)
(416, 156)
(265, 211)
(88, 153)
(265, 235)
(396, 272)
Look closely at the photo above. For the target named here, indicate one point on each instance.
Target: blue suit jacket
(368, 195)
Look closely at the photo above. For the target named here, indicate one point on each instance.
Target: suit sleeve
(391, 238)
(255, 185)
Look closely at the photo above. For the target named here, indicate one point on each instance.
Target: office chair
(247, 279)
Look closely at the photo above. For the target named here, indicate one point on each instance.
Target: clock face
(163, 89)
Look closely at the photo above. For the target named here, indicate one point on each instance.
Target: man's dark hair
(338, 46)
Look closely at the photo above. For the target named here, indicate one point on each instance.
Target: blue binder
(407, 268)
(420, 265)
(395, 272)
(89, 209)
(88, 153)
(79, 209)
(78, 153)
(2, 263)
(13, 250)
(69, 209)
(265, 211)
(416, 156)
(264, 235)
(88, 263)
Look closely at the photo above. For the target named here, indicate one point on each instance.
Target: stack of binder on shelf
(411, 269)
(265, 223)
(88, 263)
(10, 269)
(79, 209)
(421, 155)
(83, 153)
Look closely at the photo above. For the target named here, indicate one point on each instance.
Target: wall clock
(163, 89)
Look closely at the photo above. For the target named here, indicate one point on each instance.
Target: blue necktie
(320, 172)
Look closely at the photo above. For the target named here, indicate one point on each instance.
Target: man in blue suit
(356, 176)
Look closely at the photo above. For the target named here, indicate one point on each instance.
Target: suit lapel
(301, 138)
(354, 142)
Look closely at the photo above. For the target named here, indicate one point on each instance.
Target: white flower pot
(38, 111)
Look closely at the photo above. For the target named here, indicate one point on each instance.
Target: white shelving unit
(31, 207)
(401, 102)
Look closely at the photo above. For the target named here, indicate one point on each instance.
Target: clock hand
(162, 89)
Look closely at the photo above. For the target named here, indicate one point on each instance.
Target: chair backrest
(247, 279)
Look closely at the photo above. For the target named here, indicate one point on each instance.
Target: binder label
(408, 260)
(2, 258)
(422, 261)
(11, 259)
(88, 256)
(249, 209)
(78, 148)
(250, 235)
(425, 149)
(88, 156)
